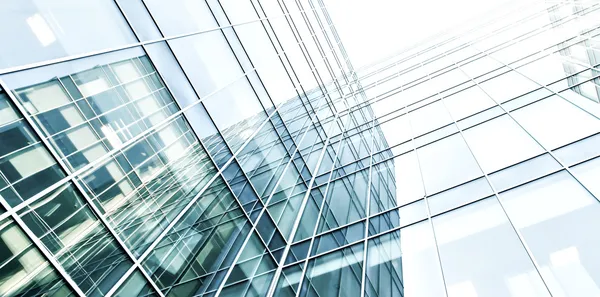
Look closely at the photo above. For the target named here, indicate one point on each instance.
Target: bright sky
(375, 29)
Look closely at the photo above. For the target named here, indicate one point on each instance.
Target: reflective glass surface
(230, 148)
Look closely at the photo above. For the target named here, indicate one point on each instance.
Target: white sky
(375, 29)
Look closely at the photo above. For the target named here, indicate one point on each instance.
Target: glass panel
(201, 245)
(459, 196)
(408, 182)
(136, 13)
(335, 275)
(35, 31)
(384, 267)
(345, 201)
(588, 173)
(26, 166)
(71, 231)
(467, 102)
(167, 65)
(555, 122)
(383, 188)
(446, 163)
(479, 236)
(90, 106)
(24, 271)
(554, 215)
(181, 16)
(496, 87)
(338, 238)
(404, 261)
(523, 172)
(499, 143)
(135, 286)
(579, 151)
(428, 118)
(268, 65)
(207, 59)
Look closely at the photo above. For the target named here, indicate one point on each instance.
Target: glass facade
(229, 148)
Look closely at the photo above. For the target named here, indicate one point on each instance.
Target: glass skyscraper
(229, 148)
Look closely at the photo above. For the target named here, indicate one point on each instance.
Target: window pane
(135, 285)
(407, 177)
(35, 31)
(140, 19)
(181, 16)
(588, 173)
(208, 60)
(556, 215)
(90, 106)
(428, 118)
(447, 163)
(70, 230)
(346, 201)
(335, 275)
(496, 87)
(404, 261)
(467, 102)
(24, 161)
(499, 143)
(475, 238)
(555, 122)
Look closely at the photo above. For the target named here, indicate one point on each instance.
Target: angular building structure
(229, 148)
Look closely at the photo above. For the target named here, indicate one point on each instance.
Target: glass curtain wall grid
(229, 148)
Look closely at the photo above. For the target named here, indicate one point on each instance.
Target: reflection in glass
(35, 31)
(384, 267)
(135, 286)
(201, 246)
(96, 108)
(337, 274)
(555, 214)
(71, 231)
(479, 236)
(26, 166)
(24, 271)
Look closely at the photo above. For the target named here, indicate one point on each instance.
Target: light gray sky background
(375, 29)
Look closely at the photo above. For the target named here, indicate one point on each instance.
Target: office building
(229, 148)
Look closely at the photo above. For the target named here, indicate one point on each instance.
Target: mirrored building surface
(229, 148)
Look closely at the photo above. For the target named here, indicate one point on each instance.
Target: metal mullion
(368, 210)
(298, 220)
(77, 185)
(323, 31)
(426, 201)
(500, 203)
(455, 37)
(117, 48)
(302, 181)
(107, 155)
(491, 34)
(36, 242)
(192, 202)
(528, 133)
(303, 47)
(288, 244)
(145, 204)
(126, 174)
(21, 149)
